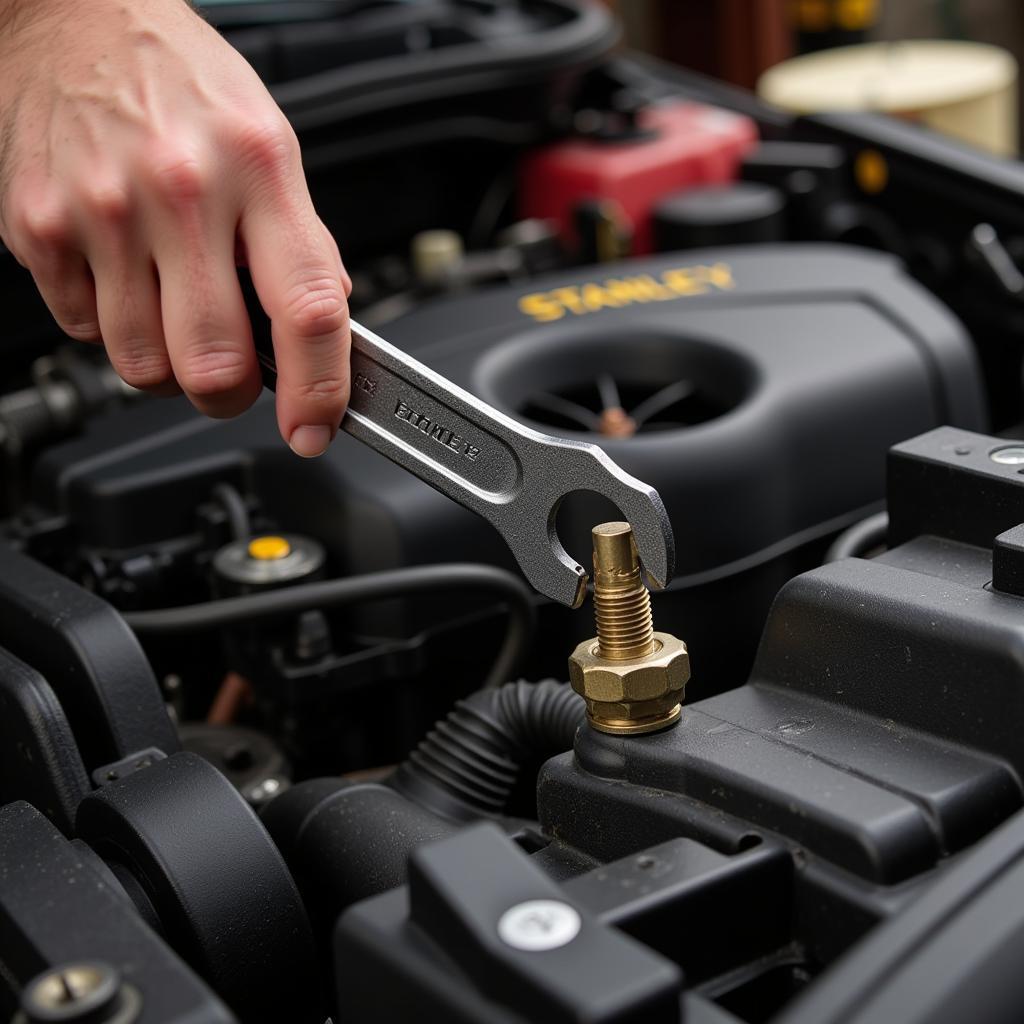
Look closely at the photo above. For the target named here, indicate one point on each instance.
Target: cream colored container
(965, 90)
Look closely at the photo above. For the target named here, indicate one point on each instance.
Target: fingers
(141, 254)
(127, 296)
(205, 323)
(66, 284)
(43, 240)
(302, 286)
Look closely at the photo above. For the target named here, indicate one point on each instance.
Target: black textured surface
(945, 483)
(217, 882)
(950, 957)
(89, 657)
(55, 909)
(877, 742)
(39, 760)
(1008, 562)
(346, 841)
(459, 888)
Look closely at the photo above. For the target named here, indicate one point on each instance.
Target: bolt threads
(622, 606)
(625, 628)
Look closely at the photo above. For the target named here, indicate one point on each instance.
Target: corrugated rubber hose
(468, 765)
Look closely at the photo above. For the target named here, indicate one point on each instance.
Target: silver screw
(77, 992)
(539, 925)
(1011, 455)
(266, 790)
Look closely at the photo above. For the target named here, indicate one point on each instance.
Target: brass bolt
(631, 677)
(622, 606)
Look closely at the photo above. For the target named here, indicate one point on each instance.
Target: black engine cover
(798, 366)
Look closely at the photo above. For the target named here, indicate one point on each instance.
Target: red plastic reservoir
(684, 144)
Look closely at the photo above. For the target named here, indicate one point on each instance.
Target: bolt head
(660, 674)
(79, 991)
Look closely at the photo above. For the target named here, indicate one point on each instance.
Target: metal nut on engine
(636, 695)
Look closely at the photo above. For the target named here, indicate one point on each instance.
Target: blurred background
(739, 40)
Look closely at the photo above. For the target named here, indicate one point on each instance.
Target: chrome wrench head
(581, 467)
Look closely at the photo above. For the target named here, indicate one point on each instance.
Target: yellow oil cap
(269, 549)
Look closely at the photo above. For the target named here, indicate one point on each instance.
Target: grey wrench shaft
(511, 475)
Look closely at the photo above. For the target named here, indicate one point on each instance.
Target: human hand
(141, 161)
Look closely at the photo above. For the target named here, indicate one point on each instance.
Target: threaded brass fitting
(622, 606)
(632, 678)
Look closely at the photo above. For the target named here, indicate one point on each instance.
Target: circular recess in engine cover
(615, 385)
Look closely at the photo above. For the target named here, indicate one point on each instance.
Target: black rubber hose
(468, 765)
(232, 611)
(857, 540)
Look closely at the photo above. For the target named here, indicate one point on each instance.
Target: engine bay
(295, 741)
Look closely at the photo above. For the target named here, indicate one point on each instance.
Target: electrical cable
(235, 509)
(243, 610)
(778, 549)
(857, 540)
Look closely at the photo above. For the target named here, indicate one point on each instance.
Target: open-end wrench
(511, 475)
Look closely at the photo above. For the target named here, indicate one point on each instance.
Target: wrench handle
(511, 475)
(429, 426)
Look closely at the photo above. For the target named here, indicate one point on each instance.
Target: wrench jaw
(641, 506)
(564, 581)
(581, 580)
(578, 579)
(652, 529)
(557, 575)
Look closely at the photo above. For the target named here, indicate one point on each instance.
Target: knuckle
(267, 143)
(327, 392)
(51, 227)
(179, 178)
(317, 309)
(214, 369)
(107, 201)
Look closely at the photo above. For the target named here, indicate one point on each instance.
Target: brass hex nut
(660, 674)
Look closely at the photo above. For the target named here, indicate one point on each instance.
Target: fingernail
(309, 442)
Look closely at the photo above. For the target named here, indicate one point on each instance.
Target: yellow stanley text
(616, 292)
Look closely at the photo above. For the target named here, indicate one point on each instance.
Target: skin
(141, 161)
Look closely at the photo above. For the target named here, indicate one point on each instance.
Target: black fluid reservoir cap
(744, 211)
